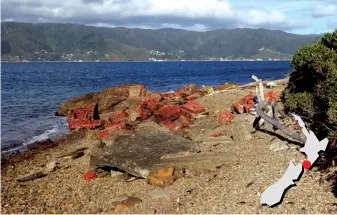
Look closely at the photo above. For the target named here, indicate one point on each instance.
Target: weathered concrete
(135, 154)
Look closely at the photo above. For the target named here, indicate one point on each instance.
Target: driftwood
(276, 123)
(261, 116)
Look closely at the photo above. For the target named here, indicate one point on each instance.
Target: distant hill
(73, 42)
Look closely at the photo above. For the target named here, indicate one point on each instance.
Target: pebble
(278, 146)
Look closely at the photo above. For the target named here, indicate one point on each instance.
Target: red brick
(272, 96)
(194, 96)
(90, 175)
(226, 118)
(184, 120)
(194, 107)
(215, 134)
(170, 112)
(119, 116)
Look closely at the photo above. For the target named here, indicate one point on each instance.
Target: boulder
(106, 99)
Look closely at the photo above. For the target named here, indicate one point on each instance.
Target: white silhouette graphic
(273, 194)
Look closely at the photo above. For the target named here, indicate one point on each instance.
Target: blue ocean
(31, 92)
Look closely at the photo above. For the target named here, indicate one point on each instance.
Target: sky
(293, 16)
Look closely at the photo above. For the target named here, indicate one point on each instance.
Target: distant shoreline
(172, 61)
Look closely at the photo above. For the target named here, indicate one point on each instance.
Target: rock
(74, 154)
(50, 167)
(31, 176)
(136, 154)
(162, 193)
(123, 203)
(106, 100)
(278, 146)
(164, 177)
(199, 161)
(44, 144)
(188, 90)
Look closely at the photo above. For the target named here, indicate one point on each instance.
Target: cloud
(188, 14)
(324, 10)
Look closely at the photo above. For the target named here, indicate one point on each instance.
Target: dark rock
(44, 144)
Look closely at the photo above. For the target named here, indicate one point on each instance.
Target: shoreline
(65, 190)
(173, 61)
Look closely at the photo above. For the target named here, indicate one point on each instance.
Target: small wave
(53, 133)
(170, 91)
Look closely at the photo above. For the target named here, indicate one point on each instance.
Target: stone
(51, 167)
(159, 193)
(188, 90)
(133, 110)
(32, 176)
(136, 154)
(74, 154)
(278, 145)
(163, 177)
(123, 203)
(44, 144)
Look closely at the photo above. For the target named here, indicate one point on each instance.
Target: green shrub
(312, 89)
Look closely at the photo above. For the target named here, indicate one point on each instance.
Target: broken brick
(193, 96)
(84, 117)
(170, 112)
(119, 116)
(226, 118)
(137, 91)
(272, 96)
(194, 107)
(215, 134)
(90, 175)
(188, 90)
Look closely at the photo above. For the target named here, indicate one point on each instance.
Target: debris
(278, 146)
(188, 90)
(193, 96)
(90, 175)
(215, 134)
(194, 107)
(136, 154)
(225, 117)
(163, 177)
(160, 193)
(32, 176)
(51, 167)
(84, 117)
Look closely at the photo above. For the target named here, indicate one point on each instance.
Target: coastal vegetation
(312, 91)
(74, 42)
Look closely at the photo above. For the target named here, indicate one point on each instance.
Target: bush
(312, 88)
(312, 93)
